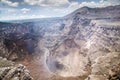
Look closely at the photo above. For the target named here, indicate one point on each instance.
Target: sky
(28, 9)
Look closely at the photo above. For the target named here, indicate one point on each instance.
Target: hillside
(83, 45)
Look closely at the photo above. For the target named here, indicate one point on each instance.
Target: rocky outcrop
(84, 43)
(94, 33)
(10, 71)
(17, 40)
(106, 67)
(96, 13)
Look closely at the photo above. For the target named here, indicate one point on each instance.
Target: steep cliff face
(24, 42)
(21, 38)
(94, 33)
(84, 43)
(109, 12)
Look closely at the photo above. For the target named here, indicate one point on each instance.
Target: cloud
(11, 10)
(39, 16)
(15, 17)
(92, 4)
(47, 8)
(8, 2)
(75, 5)
(109, 2)
(102, 3)
(51, 3)
(47, 2)
(25, 10)
(72, 6)
(31, 16)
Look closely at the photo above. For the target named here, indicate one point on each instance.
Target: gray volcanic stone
(13, 72)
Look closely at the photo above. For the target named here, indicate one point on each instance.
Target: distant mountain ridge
(85, 43)
(96, 13)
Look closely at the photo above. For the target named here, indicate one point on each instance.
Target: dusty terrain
(84, 45)
(39, 71)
